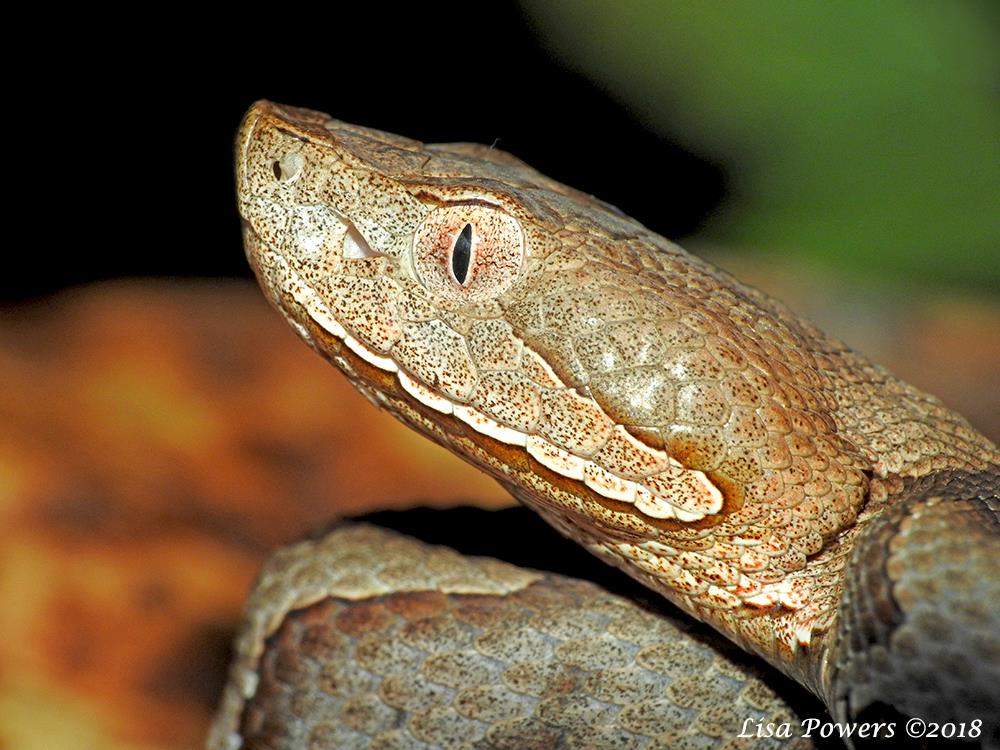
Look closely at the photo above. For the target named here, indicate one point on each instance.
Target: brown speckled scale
(677, 423)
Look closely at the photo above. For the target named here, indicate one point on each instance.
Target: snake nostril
(287, 168)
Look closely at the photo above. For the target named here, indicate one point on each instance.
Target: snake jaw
(308, 250)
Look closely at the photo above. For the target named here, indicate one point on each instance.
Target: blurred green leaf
(865, 134)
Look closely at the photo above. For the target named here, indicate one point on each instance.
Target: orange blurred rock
(157, 441)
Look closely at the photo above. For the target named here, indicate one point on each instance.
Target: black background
(127, 145)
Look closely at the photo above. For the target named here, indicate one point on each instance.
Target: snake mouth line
(695, 496)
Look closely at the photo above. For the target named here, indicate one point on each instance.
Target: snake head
(643, 401)
(433, 264)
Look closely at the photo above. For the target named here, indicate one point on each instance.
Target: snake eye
(461, 254)
(468, 252)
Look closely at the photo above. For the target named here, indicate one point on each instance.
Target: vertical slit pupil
(462, 254)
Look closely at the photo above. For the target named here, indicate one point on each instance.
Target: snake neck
(916, 626)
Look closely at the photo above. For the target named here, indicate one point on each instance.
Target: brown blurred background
(161, 430)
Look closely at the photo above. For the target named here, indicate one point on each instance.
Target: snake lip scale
(676, 423)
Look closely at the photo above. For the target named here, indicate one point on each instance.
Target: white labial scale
(556, 459)
(653, 505)
(489, 427)
(424, 395)
(383, 363)
(660, 505)
(649, 457)
(682, 515)
(607, 484)
(324, 318)
(292, 285)
(322, 315)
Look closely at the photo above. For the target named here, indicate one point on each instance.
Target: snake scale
(679, 425)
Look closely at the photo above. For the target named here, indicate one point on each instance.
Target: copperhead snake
(677, 424)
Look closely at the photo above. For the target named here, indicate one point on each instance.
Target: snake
(758, 475)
